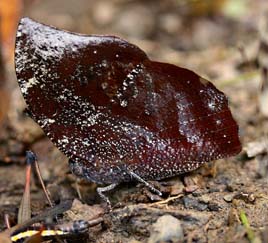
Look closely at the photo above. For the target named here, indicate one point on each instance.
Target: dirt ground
(221, 43)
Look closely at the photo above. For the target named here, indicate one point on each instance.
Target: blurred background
(225, 41)
(218, 39)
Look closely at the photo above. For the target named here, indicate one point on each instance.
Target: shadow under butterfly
(117, 115)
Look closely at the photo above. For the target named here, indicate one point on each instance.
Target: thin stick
(166, 201)
(25, 205)
(7, 222)
(38, 171)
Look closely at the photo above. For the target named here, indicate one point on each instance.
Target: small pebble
(166, 229)
(228, 198)
(194, 204)
(205, 198)
(214, 207)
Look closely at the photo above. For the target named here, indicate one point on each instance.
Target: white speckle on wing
(211, 105)
(26, 85)
(46, 122)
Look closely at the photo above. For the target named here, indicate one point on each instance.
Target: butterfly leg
(101, 190)
(138, 178)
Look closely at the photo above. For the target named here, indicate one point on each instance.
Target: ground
(218, 41)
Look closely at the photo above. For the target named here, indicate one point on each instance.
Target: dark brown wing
(110, 109)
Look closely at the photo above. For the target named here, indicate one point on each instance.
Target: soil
(220, 42)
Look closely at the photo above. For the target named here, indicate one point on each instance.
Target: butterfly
(116, 114)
